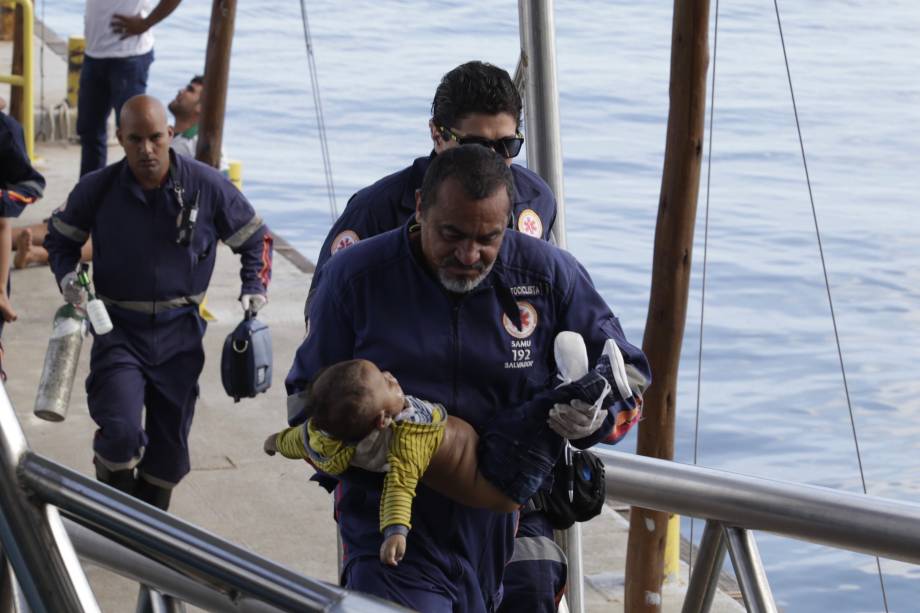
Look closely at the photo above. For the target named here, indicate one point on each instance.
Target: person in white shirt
(119, 51)
(186, 109)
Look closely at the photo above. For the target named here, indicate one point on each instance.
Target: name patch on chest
(527, 290)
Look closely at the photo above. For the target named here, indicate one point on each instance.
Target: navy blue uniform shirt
(389, 202)
(20, 184)
(135, 255)
(477, 353)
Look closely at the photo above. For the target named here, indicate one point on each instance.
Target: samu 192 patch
(529, 318)
(343, 239)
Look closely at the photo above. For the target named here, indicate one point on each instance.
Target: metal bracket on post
(705, 577)
(755, 589)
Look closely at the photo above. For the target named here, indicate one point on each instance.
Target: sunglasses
(507, 147)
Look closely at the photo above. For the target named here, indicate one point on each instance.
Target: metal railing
(168, 554)
(24, 80)
(733, 504)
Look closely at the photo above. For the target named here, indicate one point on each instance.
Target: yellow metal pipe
(76, 46)
(25, 79)
(672, 549)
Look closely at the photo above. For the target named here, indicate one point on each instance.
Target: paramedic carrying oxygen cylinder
(155, 219)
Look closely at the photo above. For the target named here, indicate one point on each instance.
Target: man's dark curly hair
(475, 88)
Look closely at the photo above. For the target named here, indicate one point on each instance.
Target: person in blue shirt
(463, 313)
(155, 219)
(20, 186)
(475, 103)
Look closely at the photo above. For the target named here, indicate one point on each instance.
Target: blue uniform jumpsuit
(152, 287)
(476, 353)
(386, 205)
(20, 184)
(389, 202)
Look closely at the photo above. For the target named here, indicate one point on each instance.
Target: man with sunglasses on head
(475, 103)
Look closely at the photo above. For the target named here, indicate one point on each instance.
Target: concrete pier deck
(234, 490)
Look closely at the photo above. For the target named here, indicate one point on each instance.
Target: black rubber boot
(122, 480)
(153, 494)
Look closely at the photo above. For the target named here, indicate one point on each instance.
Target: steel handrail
(847, 520)
(25, 80)
(182, 546)
(32, 536)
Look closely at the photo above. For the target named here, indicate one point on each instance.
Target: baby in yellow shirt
(362, 418)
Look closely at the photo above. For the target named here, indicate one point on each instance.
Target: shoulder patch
(530, 223)
(343, 239)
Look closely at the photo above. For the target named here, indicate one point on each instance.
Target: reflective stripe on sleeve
(242, 235)
(35, 186)
(72, 232)
(528, 548)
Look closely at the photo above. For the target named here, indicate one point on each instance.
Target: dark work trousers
(146, 363)
(534, 579)
(105, 84)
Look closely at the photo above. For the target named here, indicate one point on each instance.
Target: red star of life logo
(343, 240)
(528, 315)
(529, 223)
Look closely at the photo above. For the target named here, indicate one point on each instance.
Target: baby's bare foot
(23, 247)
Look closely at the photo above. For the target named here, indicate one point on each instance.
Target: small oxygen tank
(60, 366)
(95, 309)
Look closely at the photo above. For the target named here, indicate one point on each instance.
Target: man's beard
(462, 285)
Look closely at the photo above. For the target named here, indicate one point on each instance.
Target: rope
(699, 357)
(317, 103)
(827, 285)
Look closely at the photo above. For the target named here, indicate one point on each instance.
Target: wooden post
(216, 77)
(664, 326)
(16, 68)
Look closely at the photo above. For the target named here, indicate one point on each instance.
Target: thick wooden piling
(664, 327)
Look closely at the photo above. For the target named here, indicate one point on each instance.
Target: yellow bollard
(672, 549)
(7, 20)
(236, 174)
(76, 45)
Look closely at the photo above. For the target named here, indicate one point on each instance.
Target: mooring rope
(318, 105)
(699, 356)
(827, 285)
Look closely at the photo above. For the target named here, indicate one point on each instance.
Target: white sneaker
(571, 356)
(618, 367)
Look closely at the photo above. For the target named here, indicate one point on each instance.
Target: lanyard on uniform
(188, 214)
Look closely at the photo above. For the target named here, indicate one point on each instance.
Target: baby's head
(353, 398)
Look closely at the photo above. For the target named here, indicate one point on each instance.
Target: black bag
(585, 473)
(246, 363)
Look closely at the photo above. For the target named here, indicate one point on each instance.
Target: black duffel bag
(246, 362)
(578, 491)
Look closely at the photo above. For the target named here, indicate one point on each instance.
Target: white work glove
(577, 419)
(253, 302)
(74, 293)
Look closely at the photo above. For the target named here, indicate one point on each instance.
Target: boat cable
(699, 357)
(318, 105)
(827, 286)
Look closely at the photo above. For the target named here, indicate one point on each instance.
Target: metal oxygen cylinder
(60, 366)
